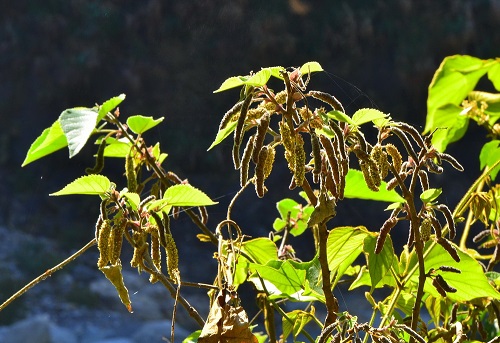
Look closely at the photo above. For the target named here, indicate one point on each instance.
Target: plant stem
(47, 274)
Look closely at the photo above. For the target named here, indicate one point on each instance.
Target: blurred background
(168, 57)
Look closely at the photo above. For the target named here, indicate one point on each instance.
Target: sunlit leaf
(109, 105)
(186, 195)
(140, 124)
(77, 124)
(260, 78)
(88, 185)
(310, 67)
(52, 139)
(343, 247)
(489, 155)
(494, 75)
(450, 126)
(231, 82)
(471, 283)
(261, 250)
(117, 148)
(193, 337)
(222, 134)
(430, 195)
(133, 199)
(356, 188)
(296, 321)
(340, 116)
(366, 115)
(378, 264)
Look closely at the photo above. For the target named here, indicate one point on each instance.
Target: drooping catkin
(155, 253)
(449, 248)
(425, 229)
(367, 175)
(397, 160)
(449, 219)
(99, 161)
(327, 98)
(268, 165)
(417, 137)
(230, 114)
(245, 160)
(172, 258)
(130, 172)
(444, 285)
(451, 160)
(238, 132)
(316, 153)
(379, 156)
(339, 135)
(116, 241)
(331, 158)
(103, 243)
(300, 161)
(262, 126)
(424, 180)
(259, 172)
(384, 231)
(288, 141)
(406, 142)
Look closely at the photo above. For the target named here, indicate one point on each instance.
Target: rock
(37, 329)
(153, 332)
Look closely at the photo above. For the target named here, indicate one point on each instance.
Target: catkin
(172, 258)
(444, 285)
(417, 137)
(368, 176)
(424, 180)
(300, 161)
(155, 253)
(425, 229)
(384, 231)
(451, 160)
(406, 142)
(449, 219)
(449, 248)
(327, 98)
(316, 153)
(238, 132)
(331, 157)
(99, 162)
(380, 157)
(450, 269)
(268, 165)
(130, 173)
(245, 160)
(397, 160)
(262, 127)
(230, 114)
(103, 243)
(259, 172)
(116, 241)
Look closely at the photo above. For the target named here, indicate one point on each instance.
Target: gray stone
(37, 329)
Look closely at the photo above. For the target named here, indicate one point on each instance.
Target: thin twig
(47, 274)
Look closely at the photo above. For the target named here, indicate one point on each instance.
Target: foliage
(428, 274)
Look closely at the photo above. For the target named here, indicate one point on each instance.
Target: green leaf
(430, 195)
(222, 134)
(51, 140)
(379, 265)
(193, 337)
(231, 82)
(310, 67)
(283, 276)
(356, 188)
(261, 250)
(343, 247)
(87, 185)
(133, 199)
(455, 78)
(260, 78)
(471, 283)
(186, 195)
(77, 124)
(299, 216)
(489, 155)
(340, 116)
(109, 105)
(450, 125)
(117, 147)
(366, 115)
(140, 124)
(494, 75)
(299, 320)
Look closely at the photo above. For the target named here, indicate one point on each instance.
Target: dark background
(169, 56)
